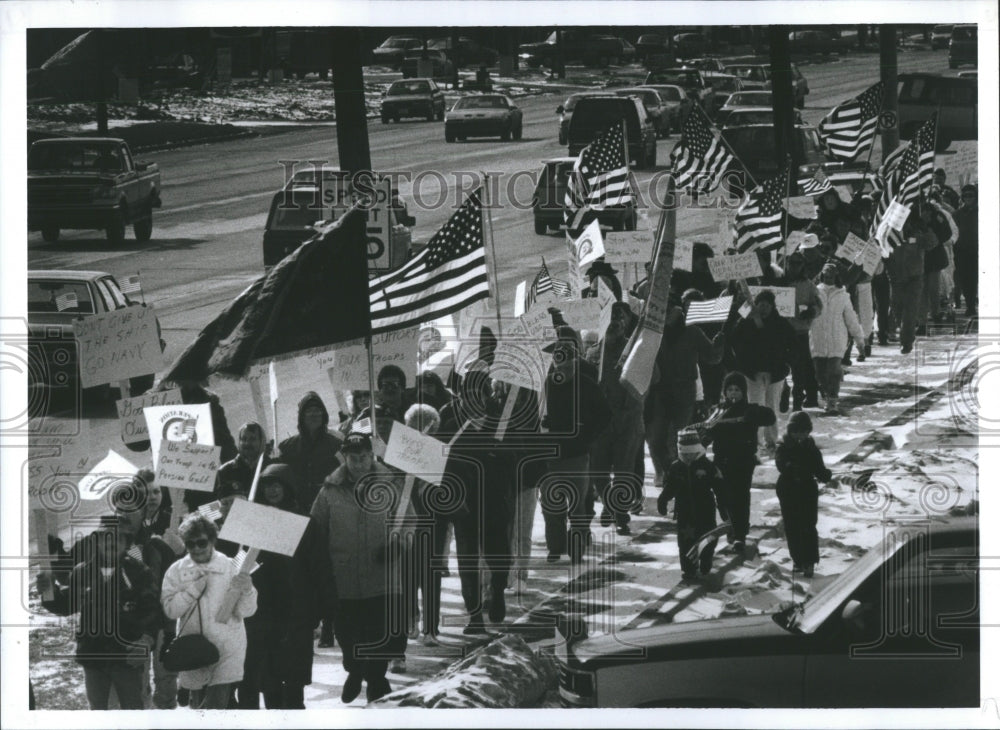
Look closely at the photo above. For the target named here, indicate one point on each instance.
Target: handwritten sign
(520, 363)
(110, 472)
(347, 364)
(628, 247)
(867, 254)
(184, 465)
(181, 422)
(737, 266)
(266, 528)
(784, 298)
(962, 167)
(131, 417)
(802, 206)
(683, 254)
(416, 453)
(578, 313)
(118, 345)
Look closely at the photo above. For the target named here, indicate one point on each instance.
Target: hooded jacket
(828, 335)
(312, 457)
(576, 409)
(765, 349)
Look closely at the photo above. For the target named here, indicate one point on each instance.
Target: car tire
(50, 234)
(385, 119)
(143, 228)
(651, 159)
(440, 114)
(115, 230)
(800, 102)
(505, 135)
(449, 136)
(541, 227)
(396, 119)
(518, 132)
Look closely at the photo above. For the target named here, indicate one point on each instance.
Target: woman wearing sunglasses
(205, 574)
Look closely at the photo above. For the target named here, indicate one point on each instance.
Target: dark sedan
(488, 115)
(393, 49)
(413, 98)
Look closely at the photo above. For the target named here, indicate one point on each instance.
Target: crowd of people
(367, 572)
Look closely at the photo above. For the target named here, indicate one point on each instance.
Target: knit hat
(737, 379)
(688, 442)
(281, 473)
(357, 443)
(800, 422)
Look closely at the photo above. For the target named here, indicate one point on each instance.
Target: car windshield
(746, 98)
(396, 43)
(74, 156)
(684, 78)
(753, 73)
(59, 296)
(671, 93)
(402, 88)
(722, 83)
(649, 98)
(481, 102)
(749, 116)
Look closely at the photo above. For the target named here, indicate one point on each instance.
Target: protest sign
(519, 296)
(111, 471)
(590, 245)
(793, 240)
(737, 266)
(262, 527)
(580, 314)
(784, 298)
(179, 422)
(118, 345)
(184, 465)
(628, 247)
(962, 167)
(604, 295)
(347, 363)
(416, 453)
(130, 413)
(802, 206)
(520, 363)
(867, 254)
(724, 237)
(683, 254)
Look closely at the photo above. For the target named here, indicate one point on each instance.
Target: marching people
(734, 446)
(312, 452)
(828, 336)
(391, 402)
(236, 475)
(693, 481)
(351, 515)
(194, 588)
(601, 271)
(116, 596)
(808, 305)
(905, 267)
(800, 464)
(936, 260)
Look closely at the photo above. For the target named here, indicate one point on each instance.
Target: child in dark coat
(734, 439)
(693, 480)
(800, 464)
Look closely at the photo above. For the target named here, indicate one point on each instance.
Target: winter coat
(766, 349)
(354, 528)
(576, 410)
(679, 356)
(799, 464)
(236, 476)
(944, 228)
(907, 259)
(694, 486)
(806, 295)
(828, 335)
(132, 590)
(313, 460)
(967, 220)
(734, 436)
(180, 596)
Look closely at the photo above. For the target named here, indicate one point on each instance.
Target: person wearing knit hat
(830, 334)
(800, 464)
(734, 444)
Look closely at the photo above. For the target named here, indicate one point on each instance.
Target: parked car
(744, 115)
(956, 98)
(650, 44)
(594, 114)
(413, 98)
(624, 52)
(940, 36)
(677, 104)
(690, 45)
(758, 76)
(486, 115)
(898, 628)
(654, 106)
(811, 42)
(178, 70)
(393, 49)
(721, 86)
(690, 79)
(742, 100)
(577, 45)
(549, 200)
(90, 183)
(466, 53)
(705, 64)
(56, 298)
(441, 67)
(963, 47)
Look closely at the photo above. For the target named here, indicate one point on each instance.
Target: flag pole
(728, 147)
(371, 389)
(488, 224)
(143, 293)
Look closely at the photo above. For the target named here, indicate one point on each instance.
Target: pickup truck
(55, 299)
(576, 46)
(90, 183)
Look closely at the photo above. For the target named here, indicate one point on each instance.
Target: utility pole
(783, 99)
(349, 100)
(890, 102)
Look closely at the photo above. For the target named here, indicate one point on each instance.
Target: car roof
(66, 275)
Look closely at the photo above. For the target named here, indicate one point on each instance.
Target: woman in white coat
(829, 333)
(207, 574)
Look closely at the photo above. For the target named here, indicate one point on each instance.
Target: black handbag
(191, 651)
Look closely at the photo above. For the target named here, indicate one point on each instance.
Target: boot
(832, 406)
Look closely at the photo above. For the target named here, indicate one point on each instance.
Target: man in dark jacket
(312, 452)
(967, 250)
(906, 272)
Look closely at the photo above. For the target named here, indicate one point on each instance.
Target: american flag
(212, 510)
(135, 552)
(599, 179)
(545, 283)
(758, 219)
(67, 301)
(700, 157)
(714, 310)
(815, 185)
(848, 130)
(448, 275)
(130, 284)
(905, 176)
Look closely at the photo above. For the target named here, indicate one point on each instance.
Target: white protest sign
(347, 363)
(519, 296)
(962, 167)
(793, 240)
(628, 247)
(784, 298)
(867, 254)
(580, 314)
(180, 422)
(184, 465)
(683, 255)
(266, 528)
(737, 266)
(521, 363)
(590, 245)
(802, 206)
(724, 237)
(851, 247)
(604, 294)
(538, 323)
(416, 453)
(111, 471)
(117, 345)
(131, 417)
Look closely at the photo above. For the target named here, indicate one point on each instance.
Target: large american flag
(700, 157)
(599, 179)
(448, 275)
(906, 175)
(758, 219)
(848, 130)
(544, 283)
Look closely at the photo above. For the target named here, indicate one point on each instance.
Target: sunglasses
(197, 544)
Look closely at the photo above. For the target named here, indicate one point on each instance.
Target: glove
(661, 503)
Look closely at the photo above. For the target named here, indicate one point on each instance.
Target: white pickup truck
(90, 183)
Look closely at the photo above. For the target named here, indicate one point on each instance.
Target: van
(963, 46)
(594, 114)
(957, 99)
